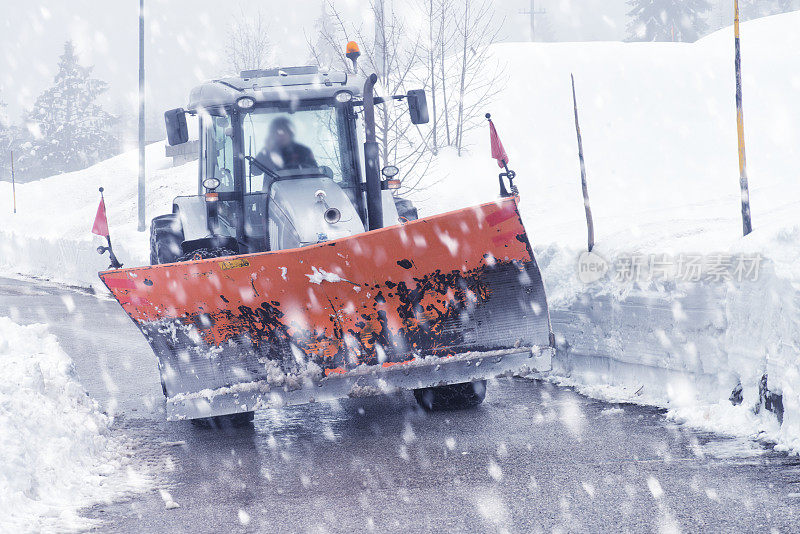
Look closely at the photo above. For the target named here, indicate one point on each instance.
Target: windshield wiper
(253, 161)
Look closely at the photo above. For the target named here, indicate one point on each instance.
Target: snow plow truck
(296, 275)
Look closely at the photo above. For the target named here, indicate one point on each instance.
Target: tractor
(296, 274)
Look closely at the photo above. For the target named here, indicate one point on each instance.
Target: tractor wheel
(205, 253)
(166, 236)
(451, 397)
(236, 420)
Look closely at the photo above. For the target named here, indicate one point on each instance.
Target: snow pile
(764, 321)
(659, 131)
(56, 452)
(50, 235)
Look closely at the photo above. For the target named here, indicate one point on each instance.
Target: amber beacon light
(352, 52)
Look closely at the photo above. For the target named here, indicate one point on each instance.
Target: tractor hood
(297, 203)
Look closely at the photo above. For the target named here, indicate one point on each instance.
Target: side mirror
(177, 131)
(418, 106)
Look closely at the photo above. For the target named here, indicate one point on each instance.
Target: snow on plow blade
(445, 299)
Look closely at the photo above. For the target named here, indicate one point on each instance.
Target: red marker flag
(498, 152)
(100, 226)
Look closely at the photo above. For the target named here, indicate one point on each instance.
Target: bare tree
(248, 46)
(444, 46)
(431, 47)
(325, 48)
(448, 56)
(478, 80)
(392, 52)
(436, 45)
(460, 77)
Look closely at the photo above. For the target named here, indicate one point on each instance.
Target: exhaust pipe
(331, 215)
(371, 172)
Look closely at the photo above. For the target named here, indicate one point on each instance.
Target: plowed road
(532, 458)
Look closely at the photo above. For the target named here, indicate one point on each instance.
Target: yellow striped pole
(747, 225)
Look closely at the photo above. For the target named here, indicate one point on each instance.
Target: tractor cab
(280, 164)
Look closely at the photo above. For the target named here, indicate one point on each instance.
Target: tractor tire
(205, 253)
(166, 236)
(221, 422)
(406, 209)
(451, 397)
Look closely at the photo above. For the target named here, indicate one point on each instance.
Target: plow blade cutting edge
(446, 299)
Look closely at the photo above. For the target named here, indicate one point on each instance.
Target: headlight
(390, 171)
(246, 102)
(211, 183)
(343, 97)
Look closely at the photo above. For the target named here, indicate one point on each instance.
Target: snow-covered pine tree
(6, 139)
(323, 51)
(753, 9)
(4, 122)
(67, 129)
(667, 20)
(248, 46)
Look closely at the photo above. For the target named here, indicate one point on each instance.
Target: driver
(281, 151)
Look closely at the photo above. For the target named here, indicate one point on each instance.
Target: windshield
(310, 139)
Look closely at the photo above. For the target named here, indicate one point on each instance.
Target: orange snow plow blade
(354, 316)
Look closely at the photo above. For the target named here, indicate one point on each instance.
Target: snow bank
(659, 132)
(56, 452)
(688, 349)
(50, 235)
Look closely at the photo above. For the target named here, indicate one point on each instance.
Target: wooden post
(747, 225)
(13, 183)
(587, 207)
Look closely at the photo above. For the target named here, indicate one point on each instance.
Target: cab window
(219, 140)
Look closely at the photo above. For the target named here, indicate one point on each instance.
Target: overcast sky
(185, 39)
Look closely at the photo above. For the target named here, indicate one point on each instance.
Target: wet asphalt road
(532, 458)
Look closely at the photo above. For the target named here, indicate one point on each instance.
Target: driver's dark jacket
(294, 156)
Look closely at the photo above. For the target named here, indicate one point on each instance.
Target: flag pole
(13, 183)
(115, 264)
(586, 205)
(747, 225)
